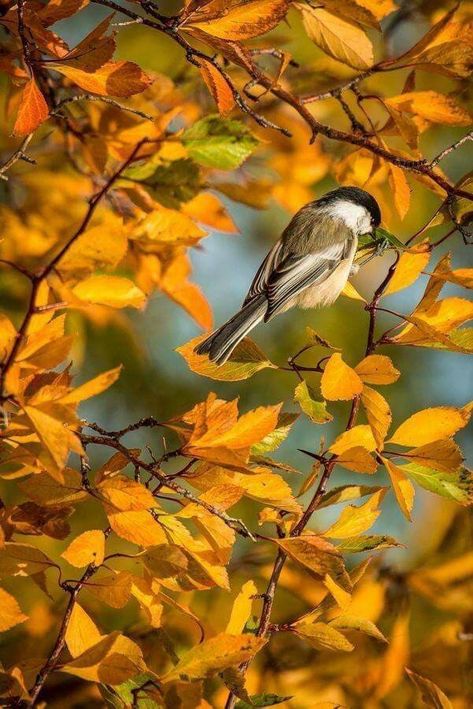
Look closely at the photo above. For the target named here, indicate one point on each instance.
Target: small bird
(309, 265)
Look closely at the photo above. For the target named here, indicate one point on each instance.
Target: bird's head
(355, 207)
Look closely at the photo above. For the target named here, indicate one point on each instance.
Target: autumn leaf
(356, 520)
(377, 369)
(112, 660)
(340, 39)
(10, 614)
(217, 142)
(87, 548)
(339, 381)
(115, 291)
(410, 265)
(241, 609)
(433, 106)
(432, 695)
(315, 554)
(430, 425)
(323, 636)
(121, 78)
(215, 655)
(243, 21)
(81, 632)
(315, 410)
(360, 435)
(402, 487)
(33, 109)
(378, 414)
(245, 360)
(218, 86)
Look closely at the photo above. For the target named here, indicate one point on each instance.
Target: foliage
(112, 174)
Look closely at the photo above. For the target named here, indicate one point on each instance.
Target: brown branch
(52, 660)
(102, 99)
(443, 154)
(237, 525)
(19, 154)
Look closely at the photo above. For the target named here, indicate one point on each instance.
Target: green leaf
(274, 439)
(122, 694)
(454, 486)
(315, 410)
(170, 183)
(366, 542)
(219, 142)
(384, 235)
(262, 700)
(344, 493)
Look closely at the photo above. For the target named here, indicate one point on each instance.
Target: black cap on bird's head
(357, 196)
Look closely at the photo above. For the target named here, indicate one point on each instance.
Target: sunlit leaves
(315, 554)
(402, 487)
(112, 660)
(342, 40)
(81, 632)
(323, 636)
(410, 266)
(241, 609)
(219, 142)
(245, 360)
(377, 369)
(356, 520)
(218, 86)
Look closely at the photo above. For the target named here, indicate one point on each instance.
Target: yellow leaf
(350, 291)
(441, 317)
(208, 209)
(165, 560)
(340, 39)
(342, 597)
(315, 554)
(245, 360)
(93, 387)
(113, 589)
(434, 107)
(395, 658)
(430, 425)
(10, 611)
(379, 8)
(54, 435)
(356, 520)
(323, 636)
(120, 78)
(148, 599)
(112, 660)
(214, 655)
(339, 381)
(440, 455)
(114, 291)
(378, 414)
(125, 494)
(401, 192)
(357, 459)
(137, 526)
(360, 435)
(87, 548)
(352, 622)
(81, 632)
(244, 21)
(249, 429)
(410, 266)
(176, 285)
(98, 247)
(403, 488)
(432, 695)
(241, 609)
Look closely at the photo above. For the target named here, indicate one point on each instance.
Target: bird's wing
(260, 281)
(295, 273)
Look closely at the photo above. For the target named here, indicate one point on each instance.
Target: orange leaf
(244, 21)
(218, 86)
(339, 381)
(33, 109)
(120, 78)
(410, 266)
(430, 425)
(378, 414)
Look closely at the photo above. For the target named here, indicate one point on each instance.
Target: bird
(307, 267)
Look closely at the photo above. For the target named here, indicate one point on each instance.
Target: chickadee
(309, 265)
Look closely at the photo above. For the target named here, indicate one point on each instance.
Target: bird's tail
(221, 343)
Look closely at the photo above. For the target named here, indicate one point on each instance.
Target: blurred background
(223, 266)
